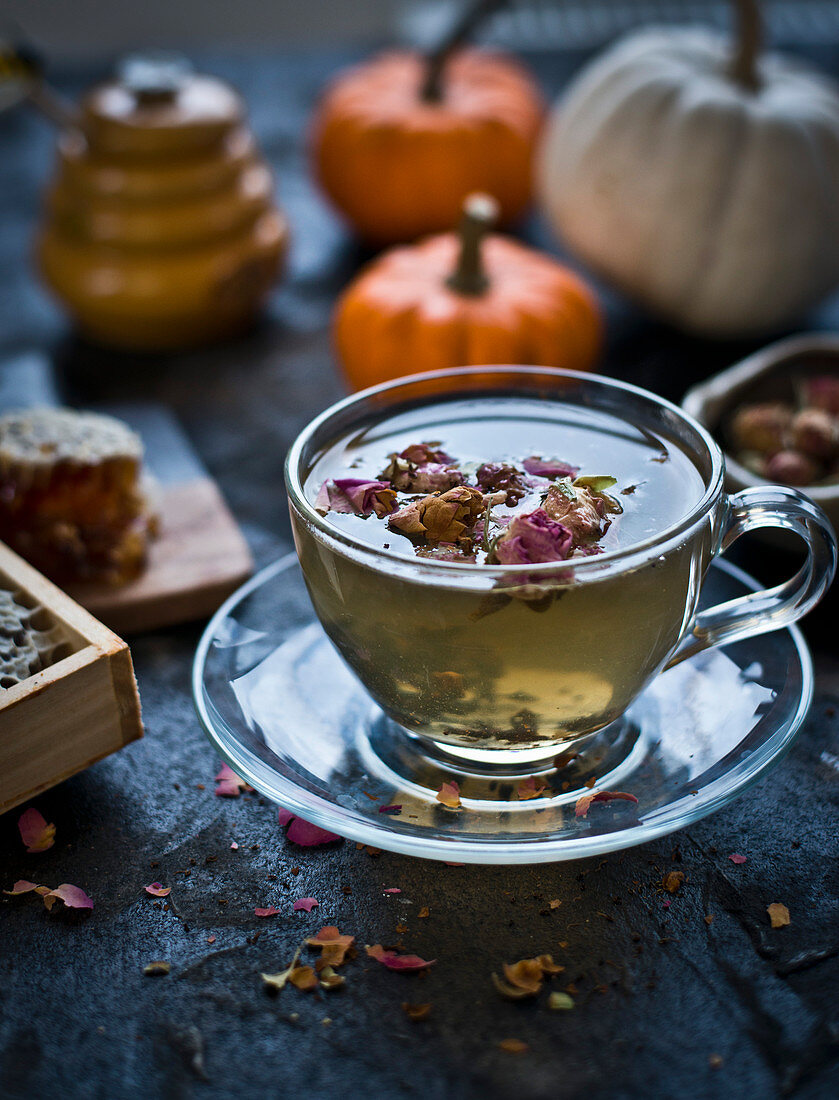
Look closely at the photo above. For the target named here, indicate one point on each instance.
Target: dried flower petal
(582, 805)
(358, 496)
(307, 835)
(334, 946)
(449, 795)
(329, 979)
(229, 784)
(445, 518)
(234, 847)
(549, 467)
(533, 537)
(425, 452)
(513, 1046)
(36, 834)
(398, 962)
(277, 981)
(427, 477)
(735, 857)
(558, 1001)
(307, 904)
(158, 890)
(157, 968)
(581, 511)
(531, 787)
(778, 914)
(72, 897)
(416, 1012)
(269, 912)
(303, 977)
(24, 887)
(285, 817)
(392, 890)
(673, 881)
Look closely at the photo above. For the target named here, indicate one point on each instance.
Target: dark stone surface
(662, 995)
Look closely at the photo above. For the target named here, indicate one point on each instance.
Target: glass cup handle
(760, 612)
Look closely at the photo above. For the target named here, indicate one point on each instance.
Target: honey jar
(160, 229)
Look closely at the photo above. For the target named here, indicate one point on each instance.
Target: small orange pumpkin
(400, 141)
(464, 299)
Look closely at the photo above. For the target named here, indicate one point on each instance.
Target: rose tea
(470, 584)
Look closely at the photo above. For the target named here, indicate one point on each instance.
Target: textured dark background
(666, 1004)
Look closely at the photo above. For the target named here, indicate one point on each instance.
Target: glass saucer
(287, 714)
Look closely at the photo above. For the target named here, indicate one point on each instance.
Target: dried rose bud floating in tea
(496, 483)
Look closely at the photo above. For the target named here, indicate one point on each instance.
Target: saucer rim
(482, 850)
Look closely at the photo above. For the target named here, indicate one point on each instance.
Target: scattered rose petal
(449, 795)
(448, 864)
(234, 847)
(424, 912)
(667, 903)
(157, 968)
(513, 1046)
(531, 787)
(36, 834)
(211, 939)
(778, 914)
(269, 912)
(158, 890)
(582, 806)
(524, 978)
(673, 881)
(72, 897)
(306, 835)
(303, 977)
(285, 817)
(392, 890)
(397, 962)
(393, 810)
(558, 1001)
(416, 1012)
(735, 857)
(229, 784)
(329, 979)
(24, 887)
(307, 904)
(356, 496)
(277, 981)
(334, 946)
(554, 903)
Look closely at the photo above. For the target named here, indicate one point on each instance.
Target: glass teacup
(506, 663)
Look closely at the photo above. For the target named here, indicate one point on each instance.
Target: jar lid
(156, 105)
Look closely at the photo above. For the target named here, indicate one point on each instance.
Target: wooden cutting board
(200, 555)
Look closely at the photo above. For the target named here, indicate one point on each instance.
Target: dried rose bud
(761, 427)
(815, 432)
(534, 537)
(425, 452)
(580, 510)
(822, 392)
(549, 467)
(500, 476)
(429, 477)
(445, 518)
(792, 468)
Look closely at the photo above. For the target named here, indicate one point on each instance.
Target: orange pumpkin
(400, 141)
(464, 299)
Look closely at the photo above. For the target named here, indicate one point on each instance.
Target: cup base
(419, 765)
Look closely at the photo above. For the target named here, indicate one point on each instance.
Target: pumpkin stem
(462, 30)
(748, 44)
(479, 215)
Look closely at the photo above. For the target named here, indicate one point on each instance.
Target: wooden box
(79, 708)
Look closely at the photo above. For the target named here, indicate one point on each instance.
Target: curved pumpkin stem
(748, 45)
(463, 29)
(479, 216)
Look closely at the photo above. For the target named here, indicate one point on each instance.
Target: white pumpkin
(700, 179)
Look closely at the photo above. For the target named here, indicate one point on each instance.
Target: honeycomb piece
(30, 640)
(72, 500)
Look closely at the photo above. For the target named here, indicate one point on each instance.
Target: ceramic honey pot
(160, 229)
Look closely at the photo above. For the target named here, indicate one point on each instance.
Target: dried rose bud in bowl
(762, 427)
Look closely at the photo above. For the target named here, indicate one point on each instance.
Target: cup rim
(622, 557)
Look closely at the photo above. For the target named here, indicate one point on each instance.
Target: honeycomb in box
(29, 640)
(72, 498)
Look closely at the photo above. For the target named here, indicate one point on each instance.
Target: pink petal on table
(309, 836)
(72, 896)
(449, 795)
(35, 832)
(735, 857)
(229, 784)
(234, 847)
(398, 962)
(392, 890)
(285, 817)
(158, 890)
(23, 887)
(306, 903)
(269, 912)
(582, 805)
